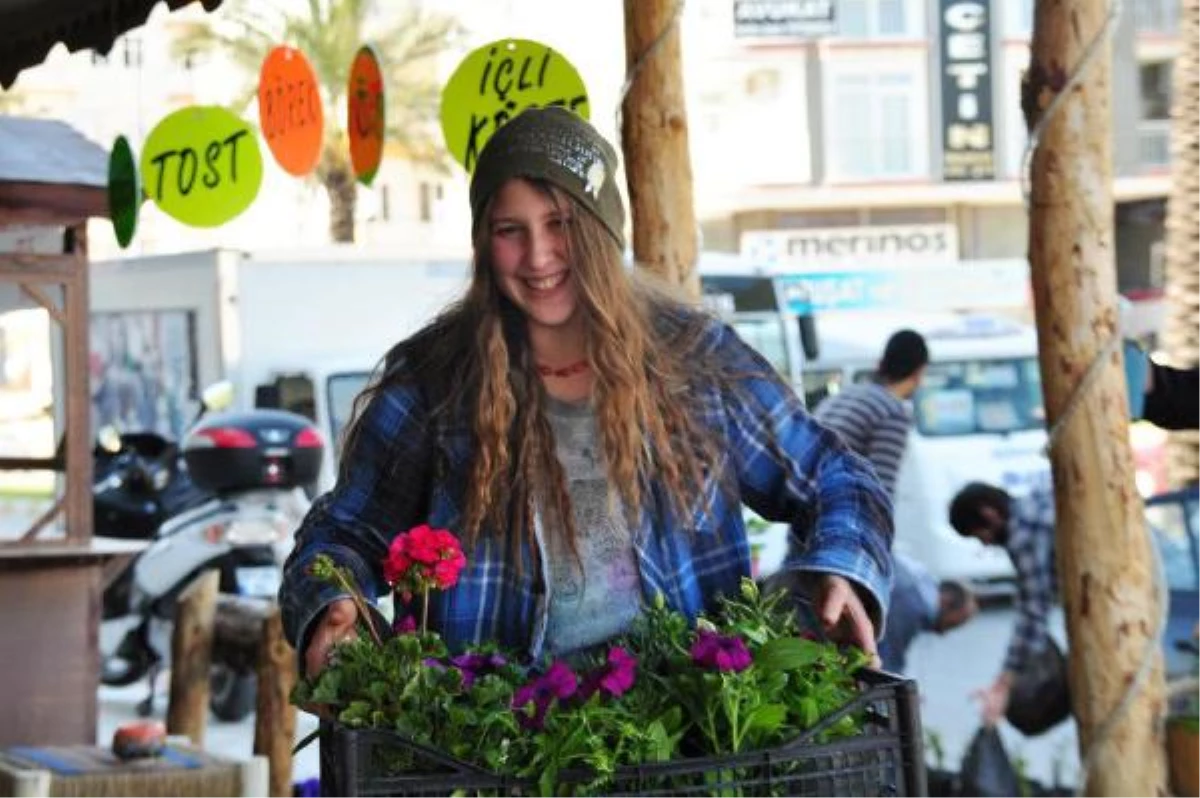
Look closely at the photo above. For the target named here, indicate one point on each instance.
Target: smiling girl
(591, 438)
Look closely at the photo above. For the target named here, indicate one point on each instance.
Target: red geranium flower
(422, 558)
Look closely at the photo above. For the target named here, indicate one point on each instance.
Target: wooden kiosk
(51, 576)
(52, 180)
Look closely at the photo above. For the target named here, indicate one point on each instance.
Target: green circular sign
(124, 191)
(202, 165)
(498, 81)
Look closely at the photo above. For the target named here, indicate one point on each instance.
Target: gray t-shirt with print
(598, 602)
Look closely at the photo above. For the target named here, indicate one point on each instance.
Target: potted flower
(711, 708)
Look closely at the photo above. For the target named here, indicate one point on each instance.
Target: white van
(978, 416)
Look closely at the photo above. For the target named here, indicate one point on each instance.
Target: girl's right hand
(337, 625)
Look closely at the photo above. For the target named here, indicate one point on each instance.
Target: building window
(385, 203)
(131, 48)
(425, 202)
(1156, 16)
(1154, 127)
(868, 19)
(873, 131)
(1155, 78)
(1018, 17)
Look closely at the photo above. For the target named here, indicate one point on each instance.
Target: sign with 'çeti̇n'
(365, 122)
(202, 165)
(289, 110)
(498, 81)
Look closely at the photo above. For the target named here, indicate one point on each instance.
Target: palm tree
(329, 32)
(1182, 244)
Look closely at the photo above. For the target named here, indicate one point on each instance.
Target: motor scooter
(252, 466)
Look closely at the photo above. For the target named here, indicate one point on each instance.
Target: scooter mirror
(218, 396)
(109, 439)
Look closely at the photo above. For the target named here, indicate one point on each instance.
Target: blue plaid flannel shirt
(1030, 546)
(839, 513)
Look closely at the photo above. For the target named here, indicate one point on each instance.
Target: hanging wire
(1104, 731)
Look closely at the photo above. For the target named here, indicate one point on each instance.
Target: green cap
(560, 147)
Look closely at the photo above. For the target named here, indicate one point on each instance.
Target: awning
(29, 28)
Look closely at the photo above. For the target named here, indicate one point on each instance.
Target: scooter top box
(253, 449)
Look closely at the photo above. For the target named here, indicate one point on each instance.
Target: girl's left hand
(844, 617)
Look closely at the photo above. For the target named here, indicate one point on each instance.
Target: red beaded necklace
(566, 371)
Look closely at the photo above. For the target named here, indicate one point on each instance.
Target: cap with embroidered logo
(560, 147)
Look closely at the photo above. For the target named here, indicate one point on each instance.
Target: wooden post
(1106, 566)
(275, 724)
(191, 658)
(654, 137)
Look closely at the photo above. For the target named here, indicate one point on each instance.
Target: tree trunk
(337, 176)
(655, 140)
(1105, 564)
(1183, 225)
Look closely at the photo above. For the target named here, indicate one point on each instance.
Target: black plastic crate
(887, 758)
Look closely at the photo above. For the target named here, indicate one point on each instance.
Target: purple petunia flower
(559, 682)
(472, 666)
(614, 679)
(723, 653)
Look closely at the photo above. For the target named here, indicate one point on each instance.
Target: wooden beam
(42, 298)
(77, 432)
(23, 267)
(50, 203)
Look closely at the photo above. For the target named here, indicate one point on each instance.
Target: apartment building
(806, 117)
(903, 115)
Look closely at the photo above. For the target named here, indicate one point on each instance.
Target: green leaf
(767, 718)
(787, 654)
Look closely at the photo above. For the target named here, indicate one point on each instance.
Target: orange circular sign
(290, 111)
(365, 115)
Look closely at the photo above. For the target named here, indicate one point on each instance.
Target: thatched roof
(31, 27)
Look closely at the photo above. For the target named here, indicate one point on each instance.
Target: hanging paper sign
(202, 165)
(124, 191)
(365, 115)
(498, 81)
(289, 110)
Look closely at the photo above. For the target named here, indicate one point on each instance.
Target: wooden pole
(654, 138)
(1105, 563)
(191, 658)
(275, 724)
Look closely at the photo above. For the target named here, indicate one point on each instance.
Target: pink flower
(615, 678)
(712, 650)
(559, 682)
(422, 558)
(472, 666)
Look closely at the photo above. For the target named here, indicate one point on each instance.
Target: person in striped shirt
(872, 417)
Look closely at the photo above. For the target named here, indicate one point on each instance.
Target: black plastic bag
(1040, 698)
(986, 768)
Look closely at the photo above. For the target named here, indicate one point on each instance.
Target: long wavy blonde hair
(475, 366)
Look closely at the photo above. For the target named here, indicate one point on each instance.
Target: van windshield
(765, 335)
(343, 389)
(980, 396)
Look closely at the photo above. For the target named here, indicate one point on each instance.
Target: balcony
(1156, 17)
(1154, 144)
